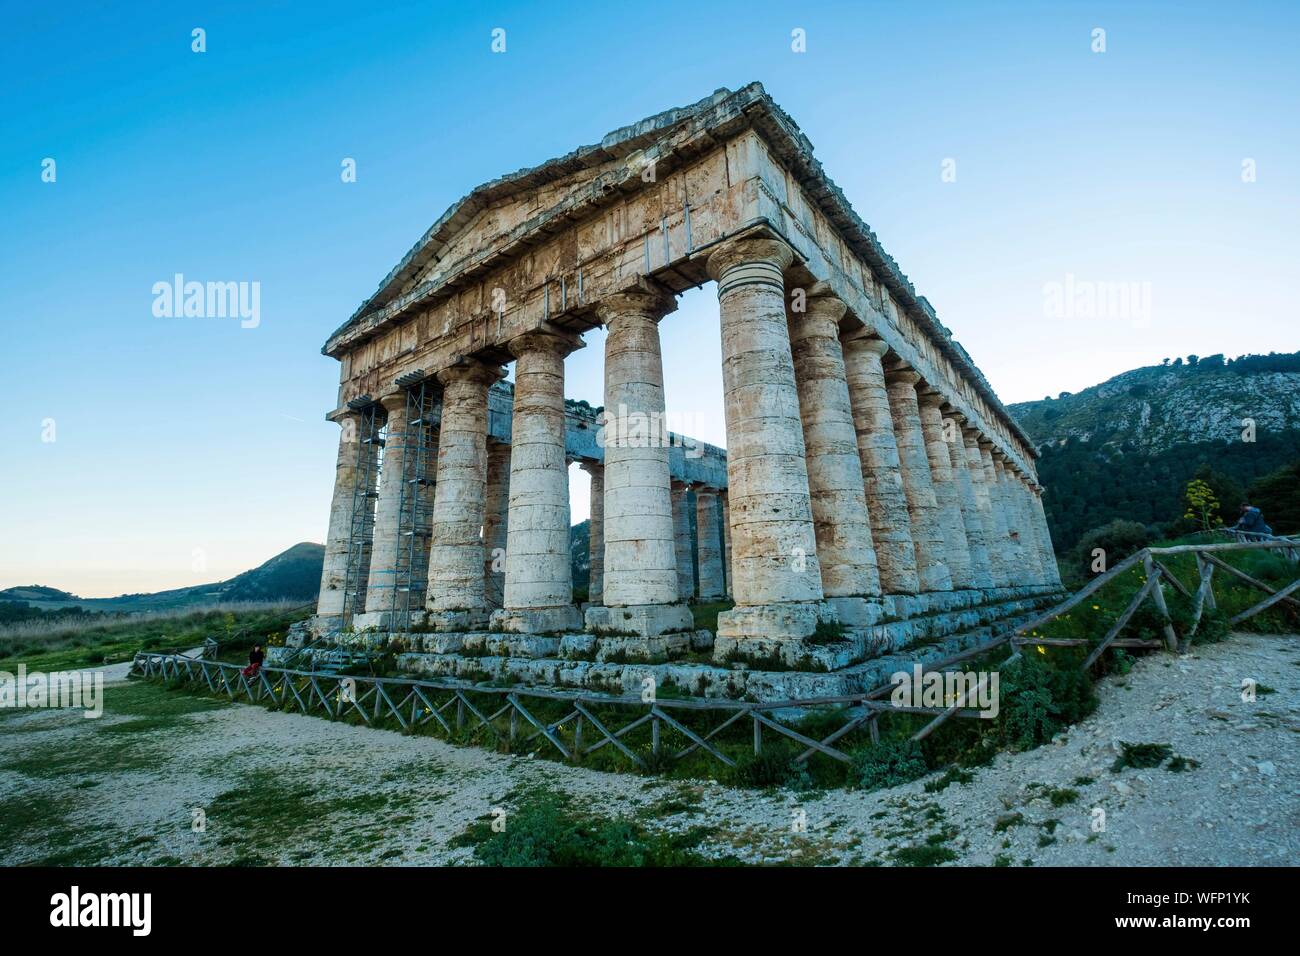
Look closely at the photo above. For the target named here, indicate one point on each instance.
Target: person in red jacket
(255, 658)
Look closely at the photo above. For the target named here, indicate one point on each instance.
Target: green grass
(118, 640)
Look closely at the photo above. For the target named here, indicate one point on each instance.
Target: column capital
(554, 341)
(748, 250)
(866, 340)
(471, 370)
(902, 375)
(591, 467)
(394, 402)
(927, 397)
(643, 300)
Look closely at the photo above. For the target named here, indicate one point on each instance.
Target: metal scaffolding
(419, 440)
(365, 493)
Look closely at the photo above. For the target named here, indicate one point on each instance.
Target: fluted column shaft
(709, 543)
(927, 528)
(1050, 567)
(1029, 542)
(683, 550)
(726, 540)
(496, 522)
(946, 493)
(972, 518)
(1000, 551)
(1020, 574)
(456, 554)
(774, 548)
(596, 533)
(839, 508)
(640, 560)
(538, 570)
(384, 551)
(891, 523)
(334, 572)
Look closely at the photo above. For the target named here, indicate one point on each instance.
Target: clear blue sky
(190, 449)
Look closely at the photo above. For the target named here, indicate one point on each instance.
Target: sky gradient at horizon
(188, 450)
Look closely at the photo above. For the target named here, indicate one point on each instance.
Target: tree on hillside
(1202, 505)
(1277, 494)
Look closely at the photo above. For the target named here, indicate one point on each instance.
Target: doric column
(1000, 552)
(726, 540)
(891, 523)
(972, 518)
(496, 522)
(1052, 572)
(839, 506)
(1020, 573)
(1028, 537)
(384, 552)
(927, 527)
(334, 572)
(596, 531)
(456, 595)
(640, 590)
(708, 522)
(777, 575)
(682, 545)
(539, 576)
(956, 545)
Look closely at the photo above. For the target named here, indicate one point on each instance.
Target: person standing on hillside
(1251, 521)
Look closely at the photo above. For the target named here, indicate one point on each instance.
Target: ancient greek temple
(873, 491)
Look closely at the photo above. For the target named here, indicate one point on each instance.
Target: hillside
(1127, 448)
(292, 575)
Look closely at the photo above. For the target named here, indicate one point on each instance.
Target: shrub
(888, 764)
(1039, 699)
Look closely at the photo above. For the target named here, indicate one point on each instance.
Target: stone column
(1052, 571)
(726, 540)
(456, 598)
(709, 539)
(927, 526)
(496, 522)
(640, 590)
(891, 523)
(1028, 538)
(946, 492)
(972, 518)
(596, 531)
(1000, 553)
(539, 576)
(384, 551)
(839, 506)
(683, 548)
(777, 583)
(1020, 572)
(334, 572)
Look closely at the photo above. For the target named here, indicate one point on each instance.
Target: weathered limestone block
(774, 546)
(683, 545)
(972, 519)
(932, 557)
(891, 524)
(839, 506)
(1000, 553)
(1020, 573)
(539, 576)
(946, 492)
(1019, 494)
(456, 599)
(596, 532)
(329, 605)
(496, 522)
(384, 550)
(708, 520)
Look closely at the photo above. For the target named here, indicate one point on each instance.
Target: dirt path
(283, 788)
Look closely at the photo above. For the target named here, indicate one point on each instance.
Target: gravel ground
(399, 800)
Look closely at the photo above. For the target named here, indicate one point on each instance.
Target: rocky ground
(289, 789)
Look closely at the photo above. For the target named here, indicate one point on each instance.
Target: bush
(888, 764)
(1118, 538)
(1038, 699)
